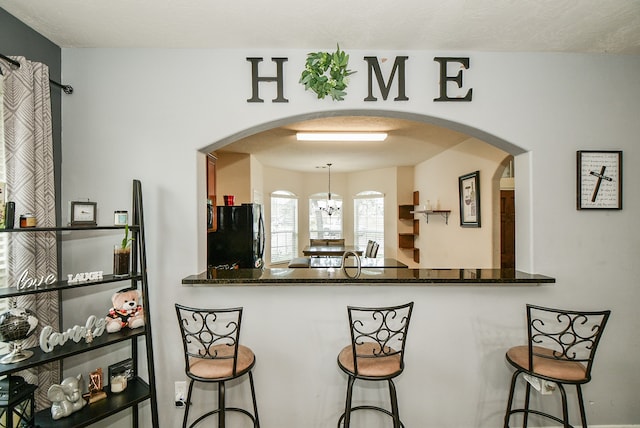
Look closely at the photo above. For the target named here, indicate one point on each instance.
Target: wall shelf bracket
(443, 213)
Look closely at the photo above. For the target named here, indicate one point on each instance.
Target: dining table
(336, 262)
(330, 250)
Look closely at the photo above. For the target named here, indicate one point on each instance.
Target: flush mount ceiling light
(341, 136)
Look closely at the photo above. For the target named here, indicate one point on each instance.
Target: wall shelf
(443, 213)
(405, 212)
(405, 240)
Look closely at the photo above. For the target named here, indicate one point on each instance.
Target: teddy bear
(126, 311)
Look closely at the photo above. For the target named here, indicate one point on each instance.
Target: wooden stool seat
(547, 366)
(370, 366)
(222, 368)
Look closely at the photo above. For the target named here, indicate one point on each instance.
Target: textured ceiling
(591, 26)
(611, 26)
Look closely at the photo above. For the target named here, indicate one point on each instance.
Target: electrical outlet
(544, 387)
(180, 393)
(548, 387)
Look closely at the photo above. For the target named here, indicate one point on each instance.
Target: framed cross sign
(599, 182)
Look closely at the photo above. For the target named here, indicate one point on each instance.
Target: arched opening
(460, 138)
(415, 117)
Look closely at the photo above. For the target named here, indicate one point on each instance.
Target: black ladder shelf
(138, 390)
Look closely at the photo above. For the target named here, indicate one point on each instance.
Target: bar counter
(368, 276)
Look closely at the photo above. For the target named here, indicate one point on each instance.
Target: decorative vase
(121, 257)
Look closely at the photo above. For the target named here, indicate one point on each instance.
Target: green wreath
(326, 73)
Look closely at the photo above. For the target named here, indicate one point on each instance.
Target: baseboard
(601, 426)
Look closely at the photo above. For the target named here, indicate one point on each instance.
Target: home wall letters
(373, 66)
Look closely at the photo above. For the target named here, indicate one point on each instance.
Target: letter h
(255, 79)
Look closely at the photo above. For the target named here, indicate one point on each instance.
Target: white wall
(257, 182)
(445, 245)
(233, 177)
(146, 113)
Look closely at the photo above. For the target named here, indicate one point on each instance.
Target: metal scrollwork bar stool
(560, 350)
(213, 354)
(376, 353)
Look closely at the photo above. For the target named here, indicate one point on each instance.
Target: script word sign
(25, 281)
(49, 339)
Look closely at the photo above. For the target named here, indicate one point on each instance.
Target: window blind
(369, 220)
(284, 226)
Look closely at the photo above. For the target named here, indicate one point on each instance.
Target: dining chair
(367, 251)
(372, 250)
(335, 242)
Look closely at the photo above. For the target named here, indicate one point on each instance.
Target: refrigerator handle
(261, 237)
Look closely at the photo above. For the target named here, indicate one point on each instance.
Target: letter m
(374, 67)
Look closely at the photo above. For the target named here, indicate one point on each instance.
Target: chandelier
(329, 206)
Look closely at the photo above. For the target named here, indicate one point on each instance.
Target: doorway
(507, 229)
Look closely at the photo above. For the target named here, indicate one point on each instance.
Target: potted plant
(121, 255)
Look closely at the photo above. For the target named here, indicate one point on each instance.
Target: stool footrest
(226, 409)
(379, 409)
(539, 413)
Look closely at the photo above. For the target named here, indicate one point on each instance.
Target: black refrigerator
(238, 241)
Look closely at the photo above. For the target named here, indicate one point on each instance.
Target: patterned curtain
(28, 144)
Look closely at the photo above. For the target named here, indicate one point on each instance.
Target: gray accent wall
(17, 39)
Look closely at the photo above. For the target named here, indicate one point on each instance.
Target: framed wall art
(469, 187)
(599, 183)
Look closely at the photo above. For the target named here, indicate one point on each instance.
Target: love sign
(25, 281)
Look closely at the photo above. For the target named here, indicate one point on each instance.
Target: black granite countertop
(368, 276)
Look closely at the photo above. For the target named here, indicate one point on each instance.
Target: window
(284, 226)
(368, 221)
(321, 224)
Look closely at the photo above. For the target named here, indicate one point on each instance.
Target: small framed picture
(122, 368)
(599, 183)
(469, 187)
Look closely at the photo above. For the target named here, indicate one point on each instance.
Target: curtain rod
(68, 89)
